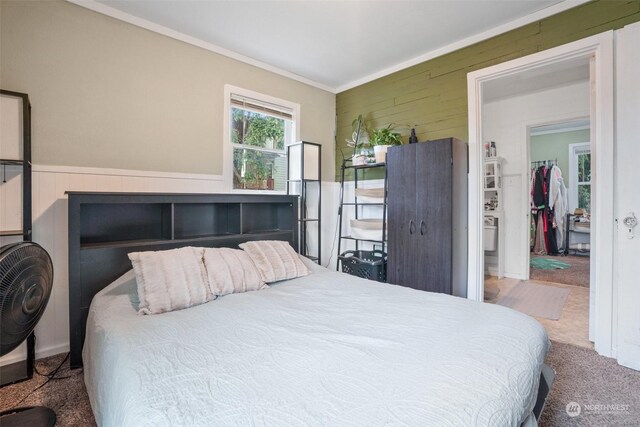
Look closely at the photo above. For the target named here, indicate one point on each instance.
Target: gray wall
(109, 94)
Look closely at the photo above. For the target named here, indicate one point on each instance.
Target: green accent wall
(554, 146)
(432, 96)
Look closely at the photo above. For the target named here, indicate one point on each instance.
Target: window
(580, 179)
(259, 131)
(584, 181)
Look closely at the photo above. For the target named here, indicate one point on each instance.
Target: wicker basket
(370, 265)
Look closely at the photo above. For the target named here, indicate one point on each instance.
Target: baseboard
(40, 354)
(491, 270)
(629, 356)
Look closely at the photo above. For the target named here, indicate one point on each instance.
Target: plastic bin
(370, 265)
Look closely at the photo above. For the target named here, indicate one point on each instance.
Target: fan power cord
(50, 376)
(333, 245)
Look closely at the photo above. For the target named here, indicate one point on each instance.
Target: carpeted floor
(577, 274)
(67, 396)
(582, 376)
(594, 382)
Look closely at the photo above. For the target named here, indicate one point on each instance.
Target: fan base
(15, 373)
(36, 416)
(22, 370)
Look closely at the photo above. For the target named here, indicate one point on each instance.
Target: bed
(324, 349)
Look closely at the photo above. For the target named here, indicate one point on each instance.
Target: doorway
(596, 52)
(555, 284)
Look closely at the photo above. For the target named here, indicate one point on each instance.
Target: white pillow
(170, 280)
(231, 271)
(275, 259)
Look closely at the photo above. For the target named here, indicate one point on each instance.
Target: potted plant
(382, 139)
(359, 141)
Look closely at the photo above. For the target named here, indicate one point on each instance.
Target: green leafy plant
(360, 132)
(385, 136)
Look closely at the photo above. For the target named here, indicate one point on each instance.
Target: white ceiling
(334, 44)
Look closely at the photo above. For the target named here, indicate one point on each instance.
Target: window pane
(257, 170)
(584, 197)
(258, 130)
(584, 167)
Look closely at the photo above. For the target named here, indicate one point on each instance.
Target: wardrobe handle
(411, 227)
(422, 227)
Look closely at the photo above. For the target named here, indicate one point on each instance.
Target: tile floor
(573, 326)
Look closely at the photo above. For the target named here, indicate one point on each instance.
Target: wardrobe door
(401, 210)
(434, 216)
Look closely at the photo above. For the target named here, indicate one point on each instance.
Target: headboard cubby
(105, 227)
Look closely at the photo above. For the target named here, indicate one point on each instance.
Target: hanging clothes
(549, 204)
(539, 190)
(559, 203)
(550, 236)
(538, 203)
(539, 246)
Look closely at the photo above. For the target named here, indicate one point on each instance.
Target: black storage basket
(370, 265)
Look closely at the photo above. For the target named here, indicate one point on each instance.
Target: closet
(427, 216)
(549, 207)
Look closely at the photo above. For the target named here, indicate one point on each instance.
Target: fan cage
(26, 279)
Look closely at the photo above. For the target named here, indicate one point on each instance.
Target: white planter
(380, 152)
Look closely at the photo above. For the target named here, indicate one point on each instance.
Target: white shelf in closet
(492, 183)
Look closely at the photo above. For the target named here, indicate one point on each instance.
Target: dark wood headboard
(105, 227)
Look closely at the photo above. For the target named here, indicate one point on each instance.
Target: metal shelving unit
(22, 370)
(347, 165)
(304, 178)
(24, 163)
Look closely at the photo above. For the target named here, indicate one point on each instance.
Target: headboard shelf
(120, 244)
(105, 227)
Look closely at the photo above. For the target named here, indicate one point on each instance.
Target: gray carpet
(67, 396)
(592, 381)
(536, 300)
(581, 376)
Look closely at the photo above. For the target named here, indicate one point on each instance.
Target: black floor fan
(26, 278)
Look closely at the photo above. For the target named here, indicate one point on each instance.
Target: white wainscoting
(50, 229)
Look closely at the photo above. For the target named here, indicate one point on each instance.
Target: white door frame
(599, 47)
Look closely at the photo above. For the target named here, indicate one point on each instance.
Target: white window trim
(227, 150)
(574, 150)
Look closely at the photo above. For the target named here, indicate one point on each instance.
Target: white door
(627, 245)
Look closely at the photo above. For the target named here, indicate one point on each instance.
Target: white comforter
(326, 349)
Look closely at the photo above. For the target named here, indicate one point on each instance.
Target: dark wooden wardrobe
(427, 216)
